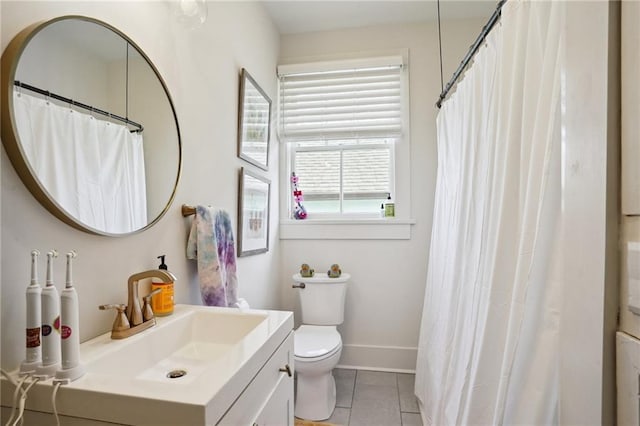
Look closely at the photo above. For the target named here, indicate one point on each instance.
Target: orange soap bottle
(162, 303)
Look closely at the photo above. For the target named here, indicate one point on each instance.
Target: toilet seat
(315, 342)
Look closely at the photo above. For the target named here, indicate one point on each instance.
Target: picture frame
(254, 200)
(254, 122)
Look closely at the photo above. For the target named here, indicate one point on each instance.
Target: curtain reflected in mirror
(93, 168)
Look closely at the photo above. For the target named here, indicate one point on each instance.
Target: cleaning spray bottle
(71, 369)
(162, 303)
(34, 350)
(50, 323)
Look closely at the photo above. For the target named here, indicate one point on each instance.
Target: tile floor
(374, 398)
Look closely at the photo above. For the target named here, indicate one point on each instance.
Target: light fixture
(191, 13)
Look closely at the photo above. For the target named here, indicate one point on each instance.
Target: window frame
(293, 148)
(354, 226)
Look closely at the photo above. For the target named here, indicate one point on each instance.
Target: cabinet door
(278, 409)
(272, 385)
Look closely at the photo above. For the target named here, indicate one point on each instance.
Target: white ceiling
(299, 16)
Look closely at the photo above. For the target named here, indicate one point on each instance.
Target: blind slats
(334, 87)
(336, 124)
(341, 104)
(350, 83)
(346, 98)
(356, 133)
(341, 65)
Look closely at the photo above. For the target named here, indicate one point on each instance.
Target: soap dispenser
(162, 302)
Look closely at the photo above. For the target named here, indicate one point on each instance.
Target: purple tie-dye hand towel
(211, 243)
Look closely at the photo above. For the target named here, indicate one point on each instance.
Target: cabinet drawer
(272, 376)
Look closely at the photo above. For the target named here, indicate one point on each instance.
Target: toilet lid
(312, 341)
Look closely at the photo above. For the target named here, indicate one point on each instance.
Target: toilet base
(315, 397)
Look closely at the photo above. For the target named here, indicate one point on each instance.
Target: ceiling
(299, 16)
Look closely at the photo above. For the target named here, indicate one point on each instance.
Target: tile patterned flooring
(374, 398)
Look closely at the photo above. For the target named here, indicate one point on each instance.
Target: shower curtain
(489, 334)
(94, 169)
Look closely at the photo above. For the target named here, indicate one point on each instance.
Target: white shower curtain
(489, 335)
(92, 168)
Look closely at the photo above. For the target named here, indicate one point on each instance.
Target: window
(341, 122)
(346, 176)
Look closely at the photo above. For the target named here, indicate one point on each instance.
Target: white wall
(590, 212)
(201, 68)
(385, 295)
(62, 61)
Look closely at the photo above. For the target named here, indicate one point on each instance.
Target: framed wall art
(254, 121)
(253, 213)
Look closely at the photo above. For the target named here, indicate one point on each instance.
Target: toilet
(317, 344)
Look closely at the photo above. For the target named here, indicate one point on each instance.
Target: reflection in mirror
(95, 131)
(254, 122)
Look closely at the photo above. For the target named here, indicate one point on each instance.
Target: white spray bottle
(50, 324)
(34, 351)
(72, 369)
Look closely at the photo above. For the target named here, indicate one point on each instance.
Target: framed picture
(254, 118)
(253, 214)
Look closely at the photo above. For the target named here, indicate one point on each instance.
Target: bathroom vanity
(199, 366)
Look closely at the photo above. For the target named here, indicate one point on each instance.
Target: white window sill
(346, 229)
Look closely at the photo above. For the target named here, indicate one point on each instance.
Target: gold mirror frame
(10, 138)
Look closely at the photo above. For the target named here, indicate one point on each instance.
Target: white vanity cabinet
(268, 398)
(238, 364)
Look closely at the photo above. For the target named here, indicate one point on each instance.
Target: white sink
(193, 340)
(215, 351)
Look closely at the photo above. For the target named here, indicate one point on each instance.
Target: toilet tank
(322, 298)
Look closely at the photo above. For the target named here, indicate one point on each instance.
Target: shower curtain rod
(139, 127)
(472, 51)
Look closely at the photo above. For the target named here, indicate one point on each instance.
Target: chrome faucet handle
(121, 322)
(147, 310)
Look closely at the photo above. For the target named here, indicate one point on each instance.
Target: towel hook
(188, 210)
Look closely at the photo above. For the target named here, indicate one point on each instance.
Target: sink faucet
(135, 320)
(134, 311)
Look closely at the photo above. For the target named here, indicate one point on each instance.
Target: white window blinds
(339, 103)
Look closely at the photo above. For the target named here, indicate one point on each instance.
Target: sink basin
(192, 341)
(187, 369)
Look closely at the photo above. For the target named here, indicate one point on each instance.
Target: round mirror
(89, 125)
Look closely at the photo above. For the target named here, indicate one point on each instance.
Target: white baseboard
(395, 359)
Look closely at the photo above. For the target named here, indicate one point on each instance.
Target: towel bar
(188, 210)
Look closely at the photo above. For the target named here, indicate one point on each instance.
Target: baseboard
(379, 358)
